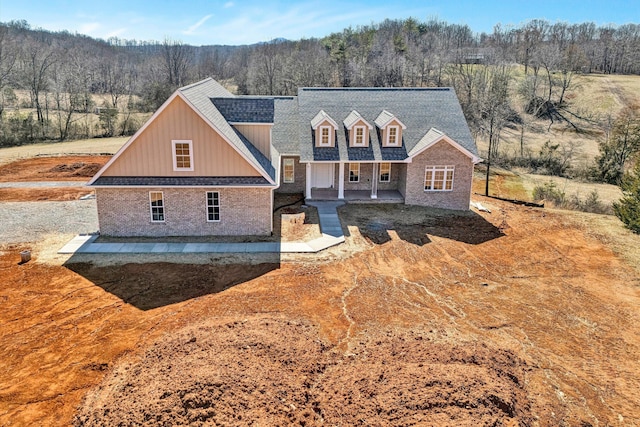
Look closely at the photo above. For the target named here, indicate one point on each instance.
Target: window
(325, 136)
(156, 205)
(182, 156)
(385, 172)
(354, 172)
(358, 139)
(213, 206)
(392, 135)
(438, 178)
(288, 171)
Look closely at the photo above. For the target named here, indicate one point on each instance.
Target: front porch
(384, 196)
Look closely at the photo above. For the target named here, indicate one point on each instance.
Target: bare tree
(178, 59)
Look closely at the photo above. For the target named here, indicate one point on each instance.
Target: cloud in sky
(228, 4)
(192, 29)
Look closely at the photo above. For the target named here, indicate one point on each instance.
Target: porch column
(374, 182)
(308, 182)
(341, 180)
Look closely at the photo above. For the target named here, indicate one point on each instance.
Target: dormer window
(325, 136)
(392, 135)
(325, 128)
(358, 139)
(391, 129)
(358, 129)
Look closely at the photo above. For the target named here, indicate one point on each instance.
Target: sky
(234, 22)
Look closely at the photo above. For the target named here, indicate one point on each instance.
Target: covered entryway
(322, 175)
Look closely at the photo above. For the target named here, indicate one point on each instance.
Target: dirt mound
(67, 168)
(270, 371)
(77, 169)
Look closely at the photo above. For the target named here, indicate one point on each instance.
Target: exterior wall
(366, 175)
(393, 184)
(151, 154)
(402, 179)
(441, 154)
(125, 212)
(300, 176)
(258, 135)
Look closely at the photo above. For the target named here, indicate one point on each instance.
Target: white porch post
(374, 182)
(308, 182)
(341, 180)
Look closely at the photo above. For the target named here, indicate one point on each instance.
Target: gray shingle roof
(187, 181)
(245, 109)
(419, 109)
(200, 95)
(284, 133)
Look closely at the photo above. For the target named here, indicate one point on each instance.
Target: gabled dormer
(358, 129)
(325, 130)
(390, 129)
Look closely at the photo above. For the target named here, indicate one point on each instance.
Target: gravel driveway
(31, 221)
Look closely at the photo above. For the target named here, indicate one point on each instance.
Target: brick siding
(441, 154)
(125, 212)
(300, 176)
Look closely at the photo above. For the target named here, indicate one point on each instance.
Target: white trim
(330, 136)
(174, 142)
(341, 180)
(392, 117)
(322, 117)
(349, 177)
(355, 136)
(387, 132)
(284, 171)
(206, 198)
(444, 169)
(151, 207)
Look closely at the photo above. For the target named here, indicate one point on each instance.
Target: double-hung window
(392, 135)
(213, 206)
(354, 172)
(385, 172)
(438, 178)
(288, 171)
(182, 155)
(156, 206)
(325, 136)
(358, 136)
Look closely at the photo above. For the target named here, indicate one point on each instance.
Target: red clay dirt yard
(518, 317)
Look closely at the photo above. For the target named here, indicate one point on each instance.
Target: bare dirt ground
(518, 317)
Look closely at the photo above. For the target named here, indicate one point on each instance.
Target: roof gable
(353, 118)
(198, 97)
(385, 118)
(320, 118)
(434, 136)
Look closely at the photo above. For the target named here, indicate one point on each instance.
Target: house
(209, 162)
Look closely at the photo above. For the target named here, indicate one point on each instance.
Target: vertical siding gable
(352, 132)
(151, 153)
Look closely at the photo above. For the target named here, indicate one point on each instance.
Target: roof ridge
(372, 89)
(192, 85)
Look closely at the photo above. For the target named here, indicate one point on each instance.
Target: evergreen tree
(628, 208)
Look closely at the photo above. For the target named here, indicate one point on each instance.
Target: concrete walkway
(329, 226)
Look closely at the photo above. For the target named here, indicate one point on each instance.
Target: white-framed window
(392, 135)
(385, 172)
(438, 178)
(182, 155)
(213, 206)
(156, 206)
(288, 171)
(325, 136)
(359, 136)
(354, 172)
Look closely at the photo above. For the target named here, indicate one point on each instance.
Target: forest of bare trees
(59, 73)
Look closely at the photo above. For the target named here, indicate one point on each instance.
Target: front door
(322, 175)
